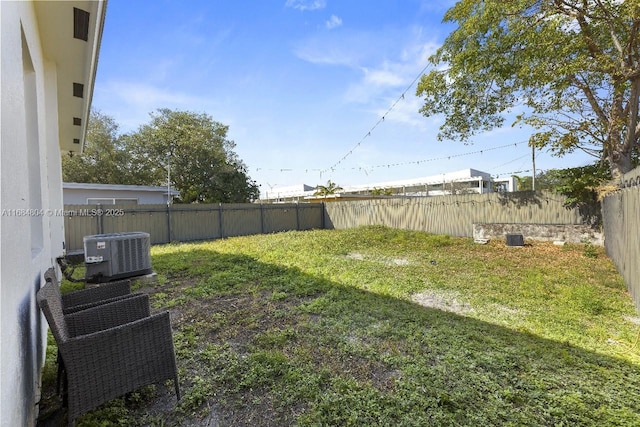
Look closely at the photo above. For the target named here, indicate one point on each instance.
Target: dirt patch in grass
(632, 319)
(382, 260)
(215, 332)
(443, 300)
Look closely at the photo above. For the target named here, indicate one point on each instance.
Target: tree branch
(633, 127)
(610, 19)
(591, 98)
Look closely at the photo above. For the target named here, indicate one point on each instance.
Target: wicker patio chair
(90, 297)
(110, 349)
(73, 302)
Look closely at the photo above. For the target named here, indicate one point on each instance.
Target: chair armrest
(80, 307)
(96, 294)
(108, 315)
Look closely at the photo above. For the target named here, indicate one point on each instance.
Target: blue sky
(302, 84)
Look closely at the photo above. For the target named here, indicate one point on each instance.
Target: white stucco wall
(30, 179)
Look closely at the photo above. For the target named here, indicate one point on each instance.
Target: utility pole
(533, 160)
(169, 198)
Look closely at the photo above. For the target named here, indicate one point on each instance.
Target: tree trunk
(620, 163)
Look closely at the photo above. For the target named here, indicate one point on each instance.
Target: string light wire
(413, 162)
(380, 120)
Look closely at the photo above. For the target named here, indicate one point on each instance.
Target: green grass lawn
(375, 326)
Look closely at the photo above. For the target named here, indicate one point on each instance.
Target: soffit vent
(81, 24)
(78, 90)
(77, 121)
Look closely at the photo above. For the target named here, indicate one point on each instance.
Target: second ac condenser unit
(116, 256)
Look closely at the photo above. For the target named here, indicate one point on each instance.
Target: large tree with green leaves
(193, 152)
(189, 149)
(106, 158)
(569, 68)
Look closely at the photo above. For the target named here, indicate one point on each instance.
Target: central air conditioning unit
(116, 256)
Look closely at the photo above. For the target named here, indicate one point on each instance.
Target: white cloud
(438, 7)
(382, 56)
(383, 82)
(320, 51)
(385, 63)
(382, 77)
(303, 5)
(143, 94)
(388, 78)
(406, 111)
(333, 22)
(130, 103)
(331, 56)
(346, 48)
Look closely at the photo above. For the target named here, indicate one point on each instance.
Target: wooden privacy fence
(451, 215)
(621, 221)
(454, 215)
(185, 223)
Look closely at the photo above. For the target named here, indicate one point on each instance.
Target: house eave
(76, 62)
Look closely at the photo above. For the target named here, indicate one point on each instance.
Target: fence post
(323, 212)
(261, 218)
(220, 220)
(168, 223)
(297, 216)
(100, 219)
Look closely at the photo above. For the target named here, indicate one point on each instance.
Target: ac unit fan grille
(133, 254)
